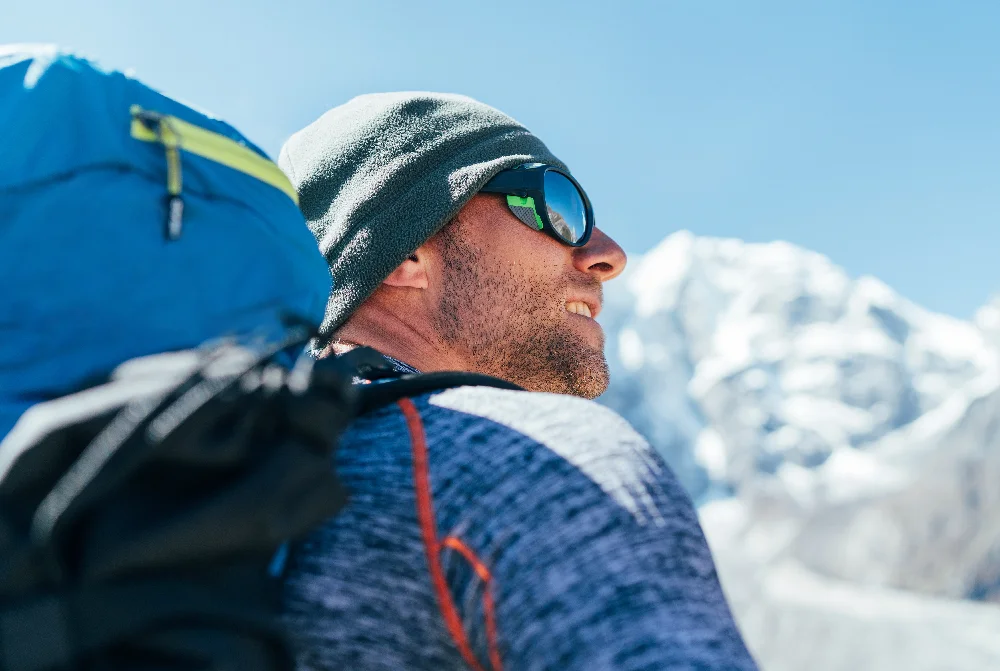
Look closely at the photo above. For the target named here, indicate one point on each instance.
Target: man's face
(514, 301)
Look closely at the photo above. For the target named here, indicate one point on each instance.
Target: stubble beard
(509, 329)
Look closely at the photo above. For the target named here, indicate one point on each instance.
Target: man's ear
(411, 273)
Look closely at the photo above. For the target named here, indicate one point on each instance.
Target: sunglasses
(547, 199)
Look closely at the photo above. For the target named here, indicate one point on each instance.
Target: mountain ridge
(837, 437)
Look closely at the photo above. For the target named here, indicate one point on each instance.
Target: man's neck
(397, 340)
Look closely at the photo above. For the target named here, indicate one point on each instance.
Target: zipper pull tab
(175, 216)
(175, 180)
(171, 141)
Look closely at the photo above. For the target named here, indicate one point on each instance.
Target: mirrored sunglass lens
(565, 206)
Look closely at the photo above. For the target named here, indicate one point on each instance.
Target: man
(486, 294)
(486, 528)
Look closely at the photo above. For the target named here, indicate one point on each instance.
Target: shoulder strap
(387, 384)
(379, 394)
(368, 364)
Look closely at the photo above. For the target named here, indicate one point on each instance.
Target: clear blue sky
(868, 130)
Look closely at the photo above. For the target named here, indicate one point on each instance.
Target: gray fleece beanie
(382, 173)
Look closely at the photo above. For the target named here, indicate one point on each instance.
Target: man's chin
(554, 357)
(584, 374)
(592, 379)
(590, 373)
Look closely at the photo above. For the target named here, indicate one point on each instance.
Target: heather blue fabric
(597, 559)
(88, 278)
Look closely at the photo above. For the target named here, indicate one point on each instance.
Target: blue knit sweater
(490, 528)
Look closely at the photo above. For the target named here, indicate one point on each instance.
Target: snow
(827, 427)
(630, 349)
(750, 339)
(850, 475)
(793, 618)
(987, 318)
(710, 452)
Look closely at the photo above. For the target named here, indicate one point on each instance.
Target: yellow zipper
(176, 135)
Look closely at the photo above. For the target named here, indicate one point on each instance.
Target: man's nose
(601, 257)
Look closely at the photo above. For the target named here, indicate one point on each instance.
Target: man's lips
(582, 306)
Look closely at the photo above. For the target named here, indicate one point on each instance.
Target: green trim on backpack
(174, 134)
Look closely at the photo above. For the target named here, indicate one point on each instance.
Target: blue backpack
(132, 224)
(149, 500)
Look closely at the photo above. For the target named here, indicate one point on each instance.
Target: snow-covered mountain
(838, 437)
(988, 320)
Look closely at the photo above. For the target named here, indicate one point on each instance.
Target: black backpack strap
(387, 384)
(138, 518)
(368, 364)
(379, 394)
(57, 630)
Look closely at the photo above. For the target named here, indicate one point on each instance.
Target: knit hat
(382, 173)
